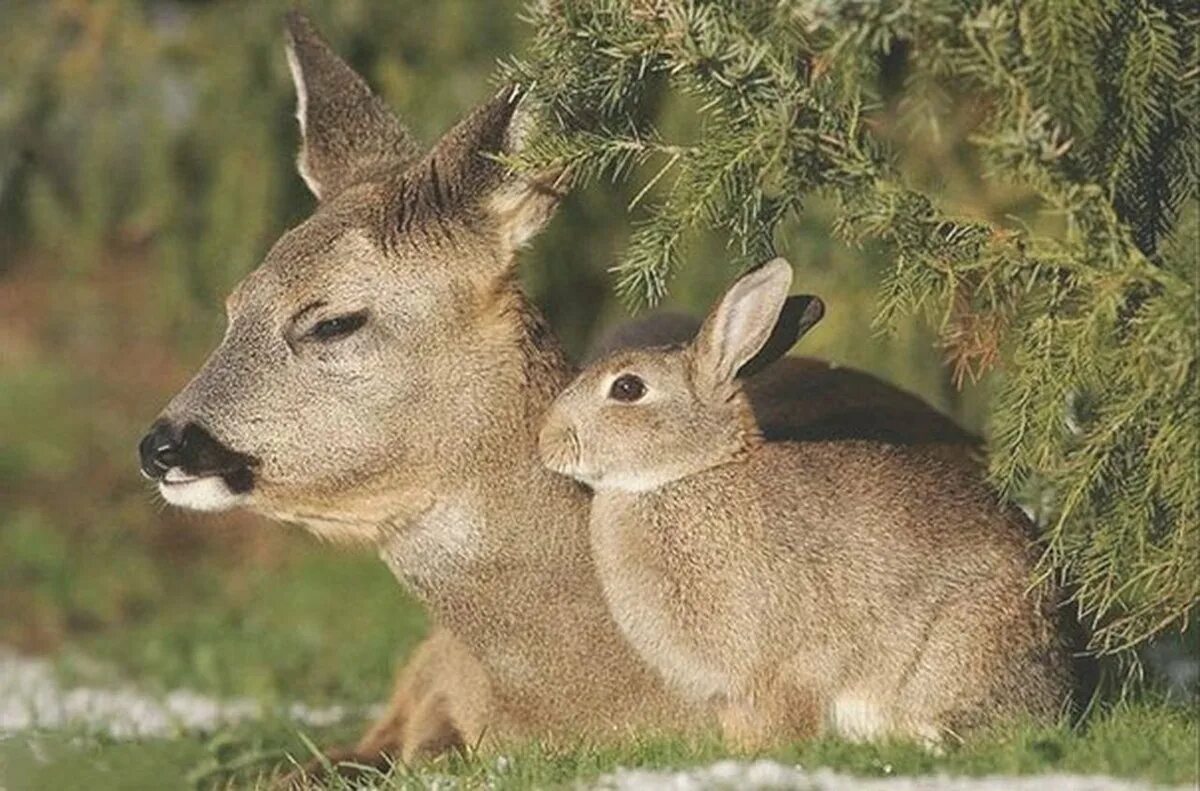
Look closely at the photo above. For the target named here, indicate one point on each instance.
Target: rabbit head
(641, 418)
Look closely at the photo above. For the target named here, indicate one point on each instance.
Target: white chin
(200, 494)
(633, 482)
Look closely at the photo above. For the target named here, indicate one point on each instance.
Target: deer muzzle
(193, 469)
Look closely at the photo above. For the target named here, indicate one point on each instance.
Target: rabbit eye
(627, 388)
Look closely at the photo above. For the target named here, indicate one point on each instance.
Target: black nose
(194, 451)
(160, 450)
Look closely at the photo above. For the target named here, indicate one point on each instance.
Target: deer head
(357, 355)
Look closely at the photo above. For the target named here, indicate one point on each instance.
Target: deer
(381, 382)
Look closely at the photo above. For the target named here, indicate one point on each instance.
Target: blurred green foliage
(160, 134)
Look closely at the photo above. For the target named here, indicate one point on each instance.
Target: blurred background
(146, 165)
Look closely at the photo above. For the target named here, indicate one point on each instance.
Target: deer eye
(627, 388)
(338, 327)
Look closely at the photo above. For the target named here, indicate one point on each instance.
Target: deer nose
(160, 450)
(193, 451)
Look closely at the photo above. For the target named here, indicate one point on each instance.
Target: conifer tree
(1079, 292)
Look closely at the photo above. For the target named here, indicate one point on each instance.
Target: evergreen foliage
(1075, 279)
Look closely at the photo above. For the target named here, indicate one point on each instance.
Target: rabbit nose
(558, 445)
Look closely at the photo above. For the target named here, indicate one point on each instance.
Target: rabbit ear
(742, 322)
(800, 314)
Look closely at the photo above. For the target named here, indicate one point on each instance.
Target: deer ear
(465, 170)
(799, 315)
(347, 132)
(739, 327)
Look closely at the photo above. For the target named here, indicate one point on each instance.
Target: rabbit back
(889, 583)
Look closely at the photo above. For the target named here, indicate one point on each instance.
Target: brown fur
(417, 433)
(884, 587)
(801, 398)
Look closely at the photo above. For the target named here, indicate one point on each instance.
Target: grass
(1148, 741)
(307, 625)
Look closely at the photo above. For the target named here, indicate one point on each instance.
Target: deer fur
(416, 433)
(858, 587)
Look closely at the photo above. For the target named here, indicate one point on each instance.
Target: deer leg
(439, 682)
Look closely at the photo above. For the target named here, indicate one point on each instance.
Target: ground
(219, 678)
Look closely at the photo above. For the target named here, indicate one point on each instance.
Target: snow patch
(764, 775)
(31, 697)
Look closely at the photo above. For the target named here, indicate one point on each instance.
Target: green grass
(319, 625)
(1147, 741)
(1152, 742)
(323, 628)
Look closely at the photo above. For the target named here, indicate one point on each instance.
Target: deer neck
(501, 557)
(502, 528)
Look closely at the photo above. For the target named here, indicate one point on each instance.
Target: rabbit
(802, 588)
